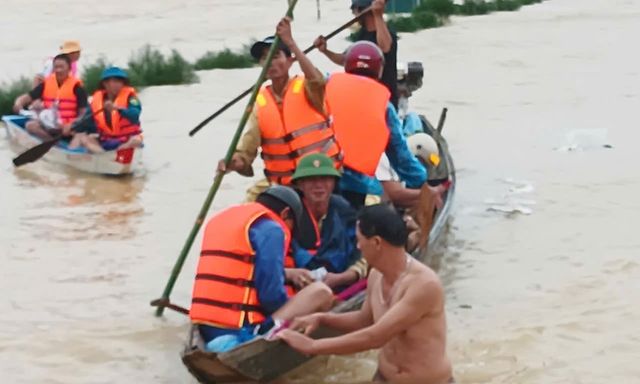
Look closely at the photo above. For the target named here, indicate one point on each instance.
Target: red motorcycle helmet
(364, 58)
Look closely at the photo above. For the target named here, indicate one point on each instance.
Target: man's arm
(383, 36)
(350, 321)
(133, 110)
(314, 79)
(321, 44)
(267, 238)
(23, 101)
(402, 160)
(399, 195)
(246, 151)
(284, 31)
(416, 302)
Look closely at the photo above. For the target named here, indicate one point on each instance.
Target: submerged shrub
(508, 5)
(403, 24)
(427, 19)
(225, 59)
(91, 75)
(473, 7)
(10, 91)
(443, 8)
(150, 67)
(529, 2)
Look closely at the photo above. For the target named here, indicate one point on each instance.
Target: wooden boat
(260, 360)
(118, 162)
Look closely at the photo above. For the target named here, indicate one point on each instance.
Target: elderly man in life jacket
(241, 287)
(326, 237)
(288, 120)
(116, 115)
(60, 93)
(367, 125)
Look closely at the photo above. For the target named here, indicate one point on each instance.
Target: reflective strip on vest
(224, 293)
(292, 130)
(120, 125)
(359, 122)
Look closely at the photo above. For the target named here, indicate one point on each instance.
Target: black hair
(64, 57)
(382, 220)
(274, 204)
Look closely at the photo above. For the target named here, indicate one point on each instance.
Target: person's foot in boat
(240, 285)
(403, 313)
(326, 239)
(132, 142)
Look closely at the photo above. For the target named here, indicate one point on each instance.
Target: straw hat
(70, 46)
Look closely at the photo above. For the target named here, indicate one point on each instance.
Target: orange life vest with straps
(292, 130)
(358, 106)
(63, 95)
(224, 294)
(120, 126)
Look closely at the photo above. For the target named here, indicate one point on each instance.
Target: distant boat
(117, 162)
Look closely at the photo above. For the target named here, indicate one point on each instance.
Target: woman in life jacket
(116, 115)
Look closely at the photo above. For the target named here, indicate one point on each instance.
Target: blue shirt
(402, 160)
(267, 239)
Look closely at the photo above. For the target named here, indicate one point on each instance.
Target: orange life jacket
(291, 131)
(359, 109)
(62, 95)
(224, 294)
(120, 127)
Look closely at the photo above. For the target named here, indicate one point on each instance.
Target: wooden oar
(35, 153)
(218, 179)
(248, 91)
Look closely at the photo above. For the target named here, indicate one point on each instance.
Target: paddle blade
(34, 153)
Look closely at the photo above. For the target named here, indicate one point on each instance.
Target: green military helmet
(315, 164)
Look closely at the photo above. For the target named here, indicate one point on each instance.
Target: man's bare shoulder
(425, 283)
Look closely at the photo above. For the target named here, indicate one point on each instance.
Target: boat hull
(118, 162)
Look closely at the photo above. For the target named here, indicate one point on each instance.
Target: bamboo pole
(218, 179)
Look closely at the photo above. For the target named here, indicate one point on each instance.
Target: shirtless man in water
(403, 313)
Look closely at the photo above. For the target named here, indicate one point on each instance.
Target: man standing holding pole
(288, 119)
(373, 29)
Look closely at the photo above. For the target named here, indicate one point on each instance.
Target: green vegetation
(91, 75)
(10, 91)
(149, 67)
(225, 59)
(436, 13)
(508, 5)
(442, 8)
(475, 7)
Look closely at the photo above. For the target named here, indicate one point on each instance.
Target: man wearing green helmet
(325, 238)
(116, 115)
